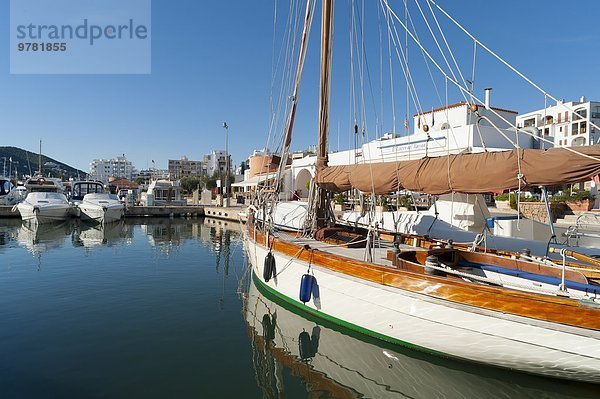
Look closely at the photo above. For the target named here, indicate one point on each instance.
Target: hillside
(24, 161)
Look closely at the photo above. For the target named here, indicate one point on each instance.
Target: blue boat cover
(588, 288)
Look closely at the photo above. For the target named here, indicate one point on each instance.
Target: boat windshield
(39, 195)
(80, 189)
(101, 196)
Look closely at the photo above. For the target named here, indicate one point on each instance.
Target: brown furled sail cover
(466, 173)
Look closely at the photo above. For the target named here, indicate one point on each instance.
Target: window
(566, 116)
(546, 132)
(529, 122)
(580, 113)
(583, 127)
(575, 128)
(558, 118)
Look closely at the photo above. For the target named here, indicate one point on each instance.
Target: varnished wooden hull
(528, 332)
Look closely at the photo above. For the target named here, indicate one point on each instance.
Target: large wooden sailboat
(437, 298)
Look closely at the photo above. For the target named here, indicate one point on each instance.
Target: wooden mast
(325, 84)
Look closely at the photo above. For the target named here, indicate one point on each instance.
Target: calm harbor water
(159, 308)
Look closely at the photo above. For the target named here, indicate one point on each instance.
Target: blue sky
(211, 62)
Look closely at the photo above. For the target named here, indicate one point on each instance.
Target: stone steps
(586, 220)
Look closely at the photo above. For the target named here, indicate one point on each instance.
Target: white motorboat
(9, 194)
(44, 207)
(94, 203)
(45, 201)
(101, 207)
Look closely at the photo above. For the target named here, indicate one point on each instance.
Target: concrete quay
(231, 213)
(164, 211)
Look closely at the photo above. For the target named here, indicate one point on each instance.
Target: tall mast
(40, 160)
(292, 116)
(325, 84)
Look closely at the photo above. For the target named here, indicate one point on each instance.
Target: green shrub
(501, 197)
(405, 201)
(512, 199)
(581, 196)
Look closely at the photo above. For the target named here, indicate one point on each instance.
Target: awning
(253, 182)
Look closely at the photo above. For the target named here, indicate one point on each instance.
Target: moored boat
(437, 300)
(45, 201)
(101, 207)
(94, 203)
(9, 194)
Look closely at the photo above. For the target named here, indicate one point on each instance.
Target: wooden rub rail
(524, 304)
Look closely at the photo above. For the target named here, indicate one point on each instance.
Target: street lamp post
(226, 188)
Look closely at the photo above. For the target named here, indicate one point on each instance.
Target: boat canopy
(467, 173)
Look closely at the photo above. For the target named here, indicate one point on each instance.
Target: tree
(189, 183)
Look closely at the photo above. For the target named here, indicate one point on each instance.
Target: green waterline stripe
(381, 338)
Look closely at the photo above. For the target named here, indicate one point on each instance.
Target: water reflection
(163, 234)
(8, 228)
(334, 364)
(40, 238)
(110, 234)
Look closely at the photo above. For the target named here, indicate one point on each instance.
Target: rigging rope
(476, 98)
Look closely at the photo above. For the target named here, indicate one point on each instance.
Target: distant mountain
(26, 163)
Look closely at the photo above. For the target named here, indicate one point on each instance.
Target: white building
(452, 129)
(216, 162)
(119, 167)
(566, 123)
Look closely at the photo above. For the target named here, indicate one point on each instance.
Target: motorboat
(94, 203)
(45, 201)
(9, 194)
(101, 207)
(44, 207)
(80, 188)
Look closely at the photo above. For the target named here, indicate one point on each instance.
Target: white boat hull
(99, 213)
(44, 213)
(349, 367)
(433, 325)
